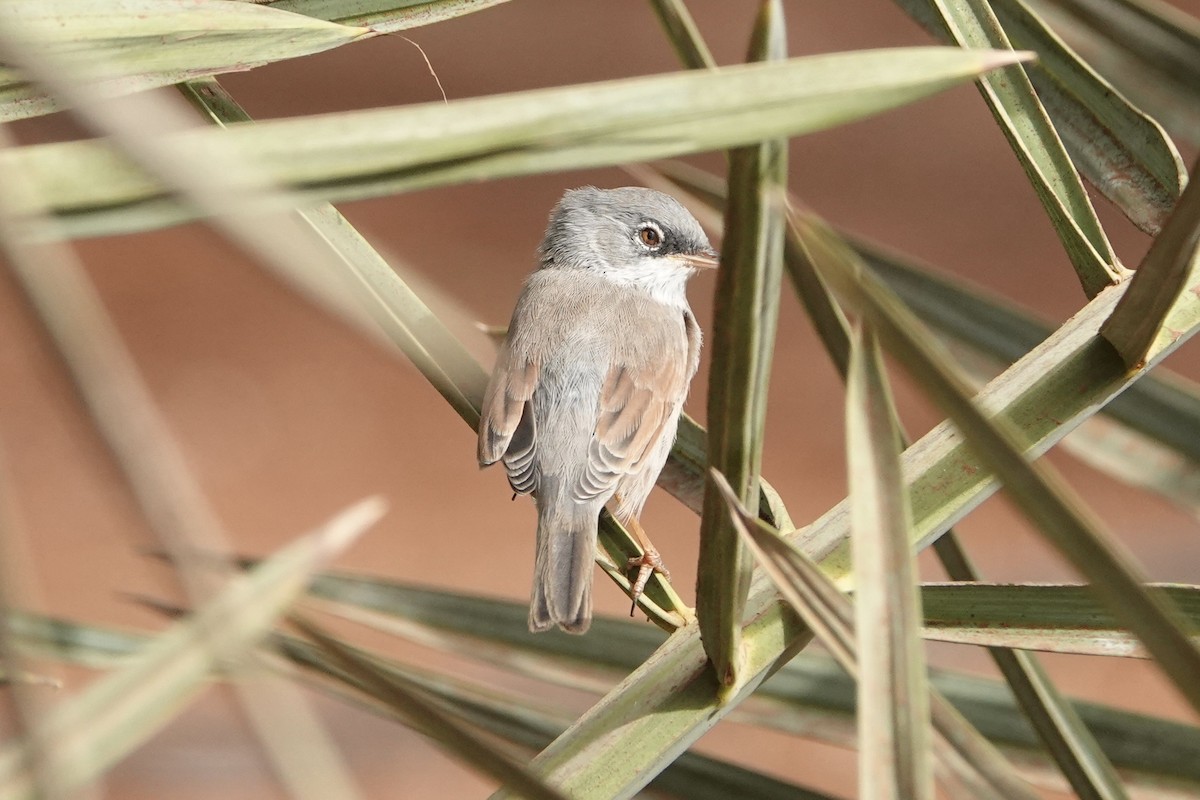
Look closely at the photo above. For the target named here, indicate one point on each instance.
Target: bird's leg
(647, 563)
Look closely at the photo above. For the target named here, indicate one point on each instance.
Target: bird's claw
(647, 564)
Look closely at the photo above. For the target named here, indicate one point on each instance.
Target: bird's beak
(705, 260)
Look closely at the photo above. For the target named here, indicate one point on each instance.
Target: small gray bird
(584, 402)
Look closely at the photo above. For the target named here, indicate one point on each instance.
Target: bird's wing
(636, 405)
(506, 424)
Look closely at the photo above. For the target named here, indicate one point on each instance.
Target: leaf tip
(1005, 58)
(349, 524)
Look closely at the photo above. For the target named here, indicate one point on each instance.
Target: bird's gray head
(630, 235)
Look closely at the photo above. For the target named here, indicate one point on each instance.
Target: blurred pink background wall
(286, 416)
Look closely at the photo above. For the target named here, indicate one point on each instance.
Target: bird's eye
(650, 236)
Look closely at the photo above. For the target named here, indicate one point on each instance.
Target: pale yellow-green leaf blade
(687, 475)
(893, 702)
(1070, 743)
(746, 311)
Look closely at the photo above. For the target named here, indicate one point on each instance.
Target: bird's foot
(647, 564)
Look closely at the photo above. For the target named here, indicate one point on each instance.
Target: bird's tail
(562, 573)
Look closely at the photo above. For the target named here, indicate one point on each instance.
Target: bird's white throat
(663, 282)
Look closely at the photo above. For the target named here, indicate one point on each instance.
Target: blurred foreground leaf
(146, 43)
(531, 724)
(811, 696)
(86, 734)
(360, 154)
(409, 702)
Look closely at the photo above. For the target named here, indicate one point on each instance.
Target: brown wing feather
(635, 406)
(506, 424)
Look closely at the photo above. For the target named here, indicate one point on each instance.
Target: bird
(584, 401)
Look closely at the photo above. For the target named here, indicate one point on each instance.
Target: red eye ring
(650, 236)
